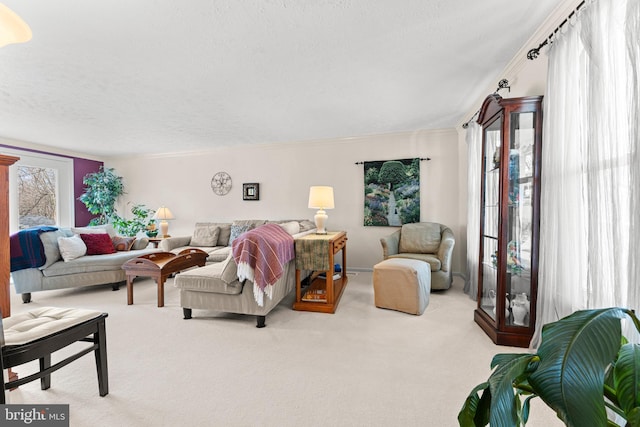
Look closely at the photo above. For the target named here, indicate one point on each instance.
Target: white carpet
(361, 366)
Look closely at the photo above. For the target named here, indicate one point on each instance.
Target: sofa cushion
(306, 225)
(291, 227)
(121, 243)
(95, 229)
(210, 278)
(205, 235)
(49, 241)
(225, 231)
(71, 247)
(237, 230)
(419, 238)
(98, 244)
(216, 253)
(140, 243)
(93, 263)
(433, 261)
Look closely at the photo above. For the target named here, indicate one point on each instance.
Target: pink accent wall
(82, 167)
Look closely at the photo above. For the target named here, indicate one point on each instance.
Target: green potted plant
(583, 366)
(142, 221)
(102, 190)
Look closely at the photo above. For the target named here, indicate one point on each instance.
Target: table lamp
(321, 197)
(163, 214)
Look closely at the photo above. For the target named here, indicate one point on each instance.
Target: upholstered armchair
(425, 241)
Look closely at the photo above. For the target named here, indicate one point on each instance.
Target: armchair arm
(445, 251)
(170, 243)
(390, 244)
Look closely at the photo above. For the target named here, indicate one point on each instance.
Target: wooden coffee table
(161, 265)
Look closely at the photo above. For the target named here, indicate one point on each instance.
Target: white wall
(285, 172)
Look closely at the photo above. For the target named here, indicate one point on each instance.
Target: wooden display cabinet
(509, 218)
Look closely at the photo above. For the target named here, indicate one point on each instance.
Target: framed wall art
(251, 191)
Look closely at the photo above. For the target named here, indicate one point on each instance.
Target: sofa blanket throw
(261, 255)
(26, 248)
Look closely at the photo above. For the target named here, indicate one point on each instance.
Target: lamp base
(164, 229)
(320, 218)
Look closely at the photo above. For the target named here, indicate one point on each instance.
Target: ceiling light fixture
(12, 28)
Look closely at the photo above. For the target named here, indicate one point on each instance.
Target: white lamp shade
(163, 213)
(12, 28)
(321, 197)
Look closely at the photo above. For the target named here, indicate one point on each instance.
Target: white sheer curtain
(474, 159)
(590, 235)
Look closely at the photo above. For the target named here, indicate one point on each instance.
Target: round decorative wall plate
(221, 183)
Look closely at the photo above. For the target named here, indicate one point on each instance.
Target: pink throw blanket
(261, 255)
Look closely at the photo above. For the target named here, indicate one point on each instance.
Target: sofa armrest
(170, 243)
(27, 280)
(390, 244)
(445, 251)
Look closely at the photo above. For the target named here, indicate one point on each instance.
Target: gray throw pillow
(205, 235)
(49, 241)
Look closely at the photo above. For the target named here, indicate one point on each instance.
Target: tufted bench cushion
(41, 322)
(402, 284)
(37, 334)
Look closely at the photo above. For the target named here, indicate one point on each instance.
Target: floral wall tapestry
(392, 192)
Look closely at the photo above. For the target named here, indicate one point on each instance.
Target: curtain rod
(502, 84)
(421, 158)
(535, 52)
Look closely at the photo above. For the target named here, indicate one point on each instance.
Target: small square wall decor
(251, 191)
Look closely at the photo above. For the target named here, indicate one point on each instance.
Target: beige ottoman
(402, 284)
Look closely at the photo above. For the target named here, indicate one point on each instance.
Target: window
(40, 190)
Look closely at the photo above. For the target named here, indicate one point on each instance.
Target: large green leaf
(574, 353)
(472, 409)
(504, 402)
(626, 376)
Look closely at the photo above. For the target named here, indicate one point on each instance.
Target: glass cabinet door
(491, 216)
(520, 216)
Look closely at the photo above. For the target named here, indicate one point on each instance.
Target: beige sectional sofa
(216, 286)
(87, 270)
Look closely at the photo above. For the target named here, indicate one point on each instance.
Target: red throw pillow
(98, 244)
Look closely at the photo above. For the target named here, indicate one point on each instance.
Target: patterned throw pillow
(98, 244)
(237, 230)
(123, 244)
(205, 235)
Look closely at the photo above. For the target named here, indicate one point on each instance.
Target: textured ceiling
(124, 77)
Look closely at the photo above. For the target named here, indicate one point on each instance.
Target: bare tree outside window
(37, 196)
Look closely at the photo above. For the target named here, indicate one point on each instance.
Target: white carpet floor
(361, 366)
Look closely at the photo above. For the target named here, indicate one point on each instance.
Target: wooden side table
(316, 252)
(155, 241)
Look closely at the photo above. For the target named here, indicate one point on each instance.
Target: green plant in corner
(101, 192)
(583, 366)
